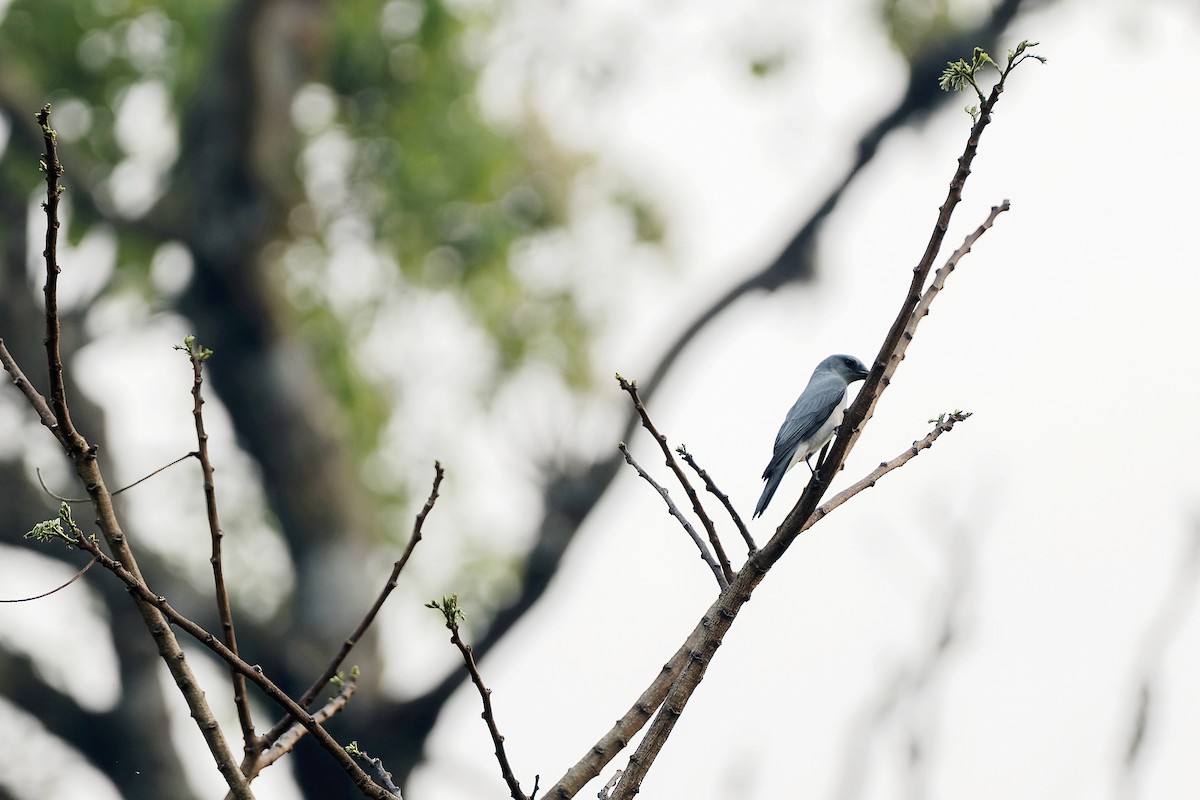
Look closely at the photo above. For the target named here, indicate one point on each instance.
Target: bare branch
(603, 794)
(375, 768)
(452, 613)
(58, 392)
(197, 355)
(724, 498)
(726, 569)
(718, 573)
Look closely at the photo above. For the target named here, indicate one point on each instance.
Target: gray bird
(811, 422)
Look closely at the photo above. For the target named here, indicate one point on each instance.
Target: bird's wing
(806, 417)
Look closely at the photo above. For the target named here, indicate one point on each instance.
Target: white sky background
(1067, 332)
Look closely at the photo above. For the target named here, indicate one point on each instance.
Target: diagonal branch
(945, 424)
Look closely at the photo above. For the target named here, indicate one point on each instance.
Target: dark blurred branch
(912, 681)
(795, 262)
(1161, 630)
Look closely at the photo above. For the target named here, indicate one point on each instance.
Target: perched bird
(811, 422)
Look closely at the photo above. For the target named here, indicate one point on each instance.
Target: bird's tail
(773, 480)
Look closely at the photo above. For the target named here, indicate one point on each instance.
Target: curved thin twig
(677, 514)
(74, 578)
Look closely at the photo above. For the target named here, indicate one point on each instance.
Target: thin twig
(675, 512)
(724, 498)
(75, 500)
(726, 569)
(74, 578)
(197, 355)
(54, 170)
(489, 716)
(360, 631)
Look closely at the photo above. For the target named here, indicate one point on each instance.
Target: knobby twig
(375, 767)
(197, 355)
(726, 569)
(675, 512)
(619, 736)
(1163, 628)
(453, 614)
(732, 599)
(711, 486)
(53, 170)
(360, 631)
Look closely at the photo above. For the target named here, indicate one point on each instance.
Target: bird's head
(848, 367)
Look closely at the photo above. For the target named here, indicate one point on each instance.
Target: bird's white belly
(823, 435)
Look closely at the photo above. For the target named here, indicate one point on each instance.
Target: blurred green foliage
(437, 192)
